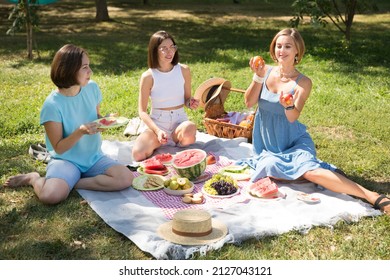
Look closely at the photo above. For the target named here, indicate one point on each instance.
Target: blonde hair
(298, 40)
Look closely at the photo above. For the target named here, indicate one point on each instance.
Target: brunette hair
(298, 40)
(154, 42)
(65, 65)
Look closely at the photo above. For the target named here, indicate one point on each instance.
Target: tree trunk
(29, 40)
(29, 31)
(101, 11)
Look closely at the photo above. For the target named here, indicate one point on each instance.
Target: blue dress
(281, 149)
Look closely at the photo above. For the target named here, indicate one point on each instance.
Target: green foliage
(21, 14)
(339, 12)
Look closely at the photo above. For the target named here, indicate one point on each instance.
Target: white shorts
(169, 120)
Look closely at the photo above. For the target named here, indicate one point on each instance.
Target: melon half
(190, 163)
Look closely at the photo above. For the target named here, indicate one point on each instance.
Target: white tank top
(168, 88)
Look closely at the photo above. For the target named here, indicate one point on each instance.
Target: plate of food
(111, 122)
(220, 186)
(152, 166)
(148, 182)
(308, 198)
(237, 172)
(178, 186)
(265, 189)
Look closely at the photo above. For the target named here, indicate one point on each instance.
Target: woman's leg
(144, 145)
(338, 183)
(185, 133)
(48, 191)
(116, 178)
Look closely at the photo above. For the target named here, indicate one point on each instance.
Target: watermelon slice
(263, 188)
(164, 158)
(107, 122)
(158, 172)
(153, 164)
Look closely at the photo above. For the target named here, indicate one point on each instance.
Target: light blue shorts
(71, 174)
(168, 120)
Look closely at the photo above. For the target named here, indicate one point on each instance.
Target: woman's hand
(192, 103)
(162, 136)
(90, 128)
(286, 99)
(256, 66)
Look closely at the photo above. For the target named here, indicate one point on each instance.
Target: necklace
(285, 77)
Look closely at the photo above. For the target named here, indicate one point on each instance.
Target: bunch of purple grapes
(224, 188)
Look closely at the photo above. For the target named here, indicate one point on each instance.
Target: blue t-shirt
(72, 112)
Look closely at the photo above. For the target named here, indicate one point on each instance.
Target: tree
(24, 15)
(101, 11)
(339, 12)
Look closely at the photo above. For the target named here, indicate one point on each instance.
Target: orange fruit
(245, 123)
(258, 61)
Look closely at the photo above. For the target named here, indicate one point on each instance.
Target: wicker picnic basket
(212, 95)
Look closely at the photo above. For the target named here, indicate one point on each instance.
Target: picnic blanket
(137, 214)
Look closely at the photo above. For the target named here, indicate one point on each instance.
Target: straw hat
(209, 90)
(192, 227)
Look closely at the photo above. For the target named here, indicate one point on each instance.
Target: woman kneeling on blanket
(284, 150)
(72, 137)
(168, 85)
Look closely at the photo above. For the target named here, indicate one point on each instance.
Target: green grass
(347, 114)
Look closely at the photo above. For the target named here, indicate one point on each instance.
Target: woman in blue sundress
(283, 148)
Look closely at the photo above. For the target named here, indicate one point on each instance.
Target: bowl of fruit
(220, 186)
(177, 185)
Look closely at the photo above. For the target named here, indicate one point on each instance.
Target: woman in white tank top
(167, 84)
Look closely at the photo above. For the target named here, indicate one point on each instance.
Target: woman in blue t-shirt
(72, 137)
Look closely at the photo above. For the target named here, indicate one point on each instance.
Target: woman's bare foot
(21, 180)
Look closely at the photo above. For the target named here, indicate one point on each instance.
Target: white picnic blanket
(135, 214)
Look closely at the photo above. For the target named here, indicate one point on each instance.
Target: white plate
(179, 192)
(138, 183)
(309, 198)
(279, 195)
(220, 196)
(119, 121)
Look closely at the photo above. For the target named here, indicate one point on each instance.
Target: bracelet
(292, 107)
(257, 79)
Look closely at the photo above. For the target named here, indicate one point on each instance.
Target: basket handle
(234, 89)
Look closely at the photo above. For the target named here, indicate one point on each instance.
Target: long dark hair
(154, 42)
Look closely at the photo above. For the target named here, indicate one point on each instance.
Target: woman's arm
(252, 93)
(61, 145)
(300, 96)
(189, 101)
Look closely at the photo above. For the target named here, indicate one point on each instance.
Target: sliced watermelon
(107, 122)
(164, 158)
(263, 188)
(153, 164)
(158, 172)
(260, 183)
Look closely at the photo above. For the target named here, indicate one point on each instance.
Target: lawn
(347, 114)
